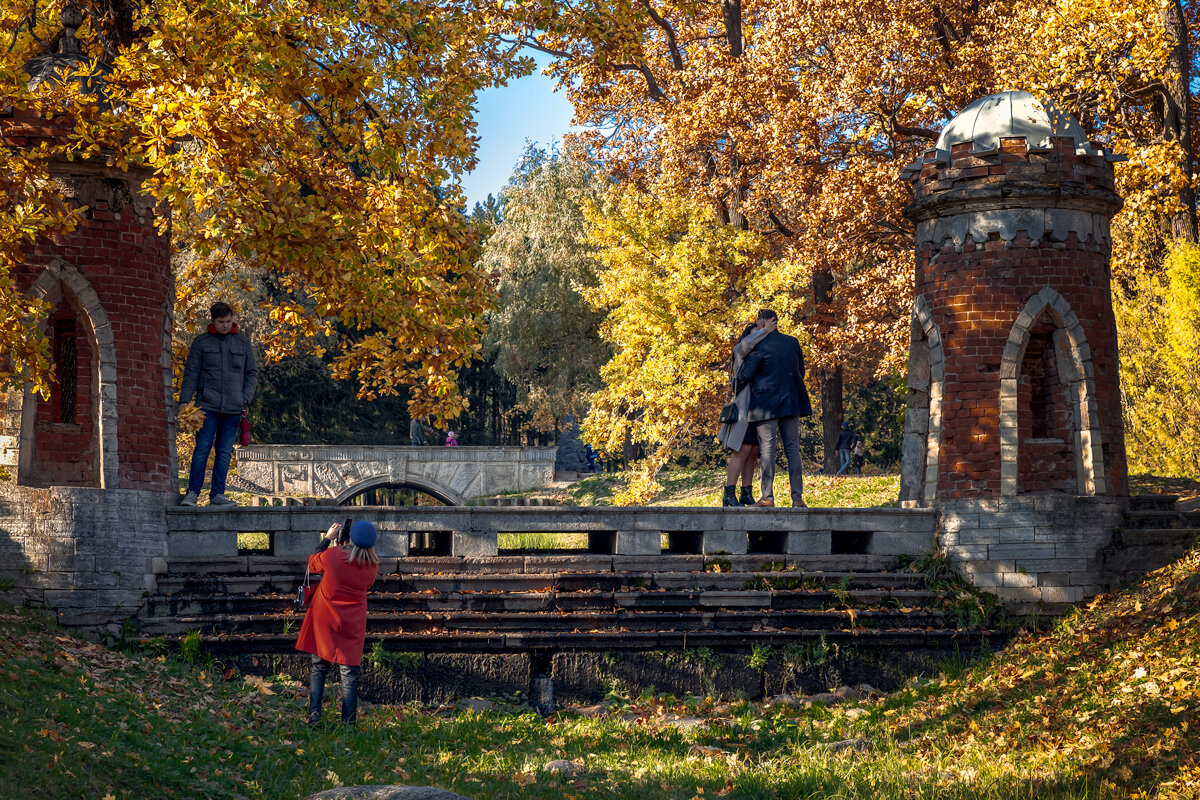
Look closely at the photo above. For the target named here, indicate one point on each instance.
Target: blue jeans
(846, 456)
(221, 429)
(316, 689)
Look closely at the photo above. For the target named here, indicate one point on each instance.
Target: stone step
(1155, 518)
(561, 582)
(399, 624)
(938, 639)
(1172, 537)
(187, 604)
(1159, 502)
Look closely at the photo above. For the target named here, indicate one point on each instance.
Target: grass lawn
(1105, 705)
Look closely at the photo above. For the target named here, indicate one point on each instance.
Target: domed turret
(1006, 115)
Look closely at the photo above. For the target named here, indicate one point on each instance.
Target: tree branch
(779, 226)
(672, 46)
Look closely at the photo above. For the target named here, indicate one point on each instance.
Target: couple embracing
(769, 392)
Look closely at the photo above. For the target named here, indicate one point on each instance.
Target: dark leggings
(316, 689)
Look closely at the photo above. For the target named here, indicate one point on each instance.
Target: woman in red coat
(336, 622)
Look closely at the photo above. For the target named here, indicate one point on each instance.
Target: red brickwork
(127, 263)
(976, 289)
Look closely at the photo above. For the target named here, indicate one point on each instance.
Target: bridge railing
(201, 535)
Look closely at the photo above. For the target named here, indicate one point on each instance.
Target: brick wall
(993, 231)
(123, 264)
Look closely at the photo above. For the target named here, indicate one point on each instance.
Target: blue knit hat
(362, 534)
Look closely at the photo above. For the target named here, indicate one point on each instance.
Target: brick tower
(92, 465)
(1014, 402)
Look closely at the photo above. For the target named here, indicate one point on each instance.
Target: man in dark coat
(221, 375)
(778, 399)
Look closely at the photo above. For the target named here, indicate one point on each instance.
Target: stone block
(392, 544)
(984, 579)
(1014, 551)
(1040, 565)
(766, 519)
(888, 543)
(808, 543)
(1062, 594)
(1009, 535)
(971, 552)
(1019, 579)
(197, 544)
(959, 522)
(970, 537)
(732, 542)
(1054, 578)
(638, 543)
(295, 544)
(474, 544)
(1083, 550)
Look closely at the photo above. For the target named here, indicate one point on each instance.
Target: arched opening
(923, 424)
(70, 439)
(1049, 429)
(396, 495)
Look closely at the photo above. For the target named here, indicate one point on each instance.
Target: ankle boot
(730, 499)
(746, 498)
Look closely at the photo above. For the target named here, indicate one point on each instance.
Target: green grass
(1104, 705)
(698, 488)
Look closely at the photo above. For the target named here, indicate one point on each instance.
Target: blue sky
(527, 108)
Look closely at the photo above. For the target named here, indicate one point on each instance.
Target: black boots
(730, 499)
(746, 499)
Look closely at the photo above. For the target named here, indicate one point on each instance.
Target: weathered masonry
(1014, 433)
(451, 474)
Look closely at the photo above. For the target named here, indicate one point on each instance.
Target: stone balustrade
(202, 534)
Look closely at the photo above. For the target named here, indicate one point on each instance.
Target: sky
(527, 108)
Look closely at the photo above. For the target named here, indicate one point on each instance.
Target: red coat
(335, 624)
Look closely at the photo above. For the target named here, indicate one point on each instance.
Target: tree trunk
(831, 415)
(831, 379)
(1176, 114)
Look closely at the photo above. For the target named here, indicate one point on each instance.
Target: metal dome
(1008, 114)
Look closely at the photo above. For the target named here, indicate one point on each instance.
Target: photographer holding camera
(335, 624)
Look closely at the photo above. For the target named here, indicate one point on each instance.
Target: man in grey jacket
(220, 375)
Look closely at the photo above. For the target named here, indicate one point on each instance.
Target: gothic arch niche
(923, 425)
(76, 309)
(1049, 426)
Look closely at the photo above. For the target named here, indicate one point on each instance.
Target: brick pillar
(1013, 379)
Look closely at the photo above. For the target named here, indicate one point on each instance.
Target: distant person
(741, 437)
(778, 399)
(416, 432)
(859, 457)
(590, 455)
(451, 439)
(845, 448)
(335, 624)
(220, 376)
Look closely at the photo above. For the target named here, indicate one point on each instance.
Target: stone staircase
(1156, 532)
(585, 602)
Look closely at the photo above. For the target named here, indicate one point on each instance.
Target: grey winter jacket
(220, 373)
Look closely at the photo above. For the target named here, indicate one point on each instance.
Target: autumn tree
(787, 118)
(316, 140)
(671, 338)
(544, 335)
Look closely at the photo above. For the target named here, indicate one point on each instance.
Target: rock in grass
(386, 793)
(568, 769)
(861, 745)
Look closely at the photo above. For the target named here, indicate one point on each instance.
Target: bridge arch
(442, 493)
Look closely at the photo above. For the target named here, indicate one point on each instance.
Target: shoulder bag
(305, 591)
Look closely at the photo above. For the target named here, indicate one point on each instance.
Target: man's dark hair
(765, 314)
(220, 309)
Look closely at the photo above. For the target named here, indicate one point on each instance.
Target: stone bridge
(451, 474)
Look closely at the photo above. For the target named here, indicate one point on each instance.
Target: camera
(344, 532)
